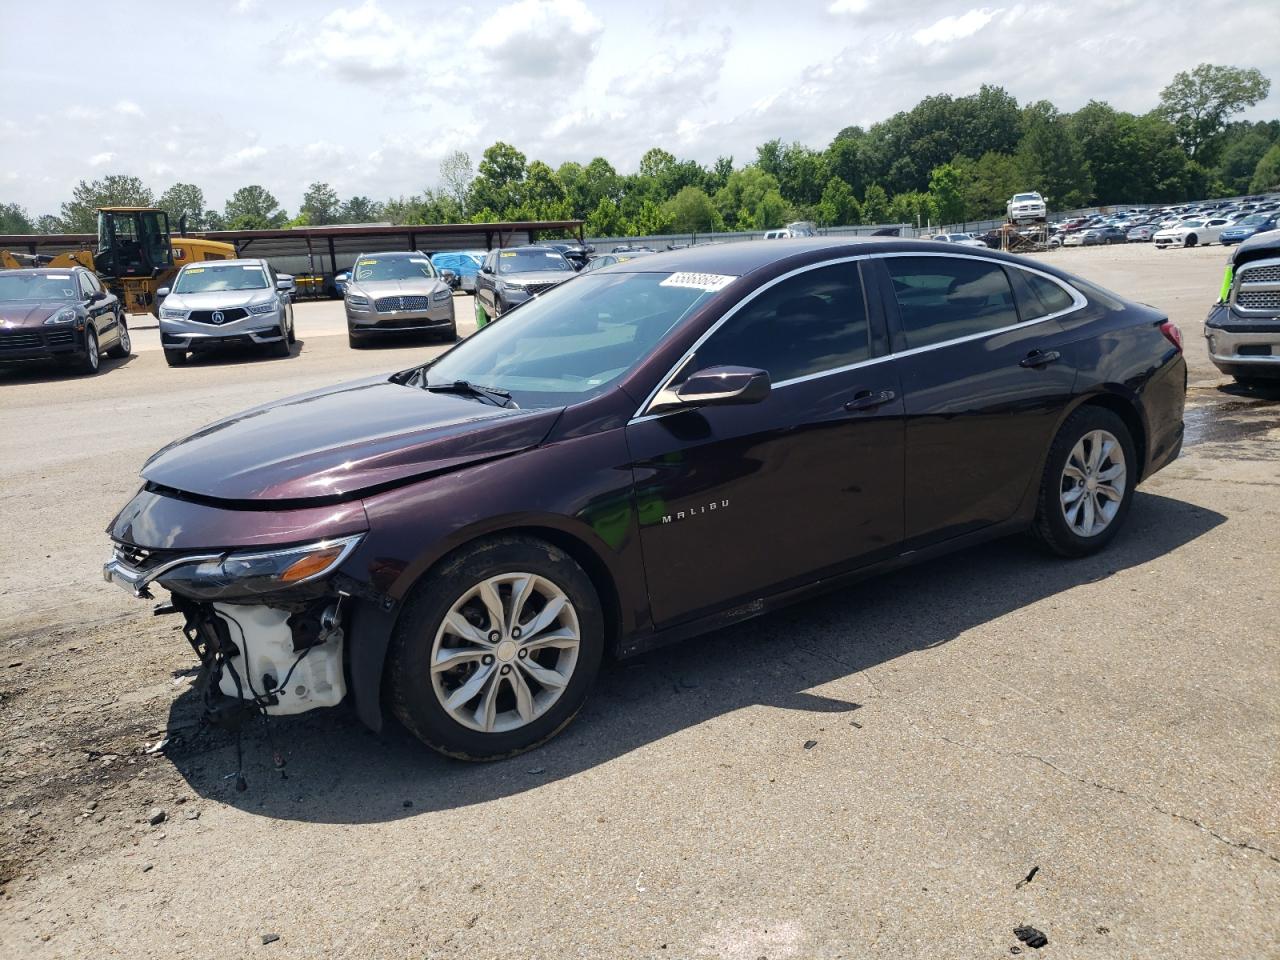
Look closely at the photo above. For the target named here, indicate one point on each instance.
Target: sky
(369, 95)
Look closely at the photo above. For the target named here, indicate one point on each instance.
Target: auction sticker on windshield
(698, 281)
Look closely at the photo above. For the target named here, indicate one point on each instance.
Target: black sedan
(653, 450)
(62, 314)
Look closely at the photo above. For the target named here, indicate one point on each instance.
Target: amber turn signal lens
(310, 565)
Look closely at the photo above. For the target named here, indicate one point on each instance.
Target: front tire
(1088, 483)
(354, 340)
(496, 652)
(92, 359)
(175, 358)
(1192, 240)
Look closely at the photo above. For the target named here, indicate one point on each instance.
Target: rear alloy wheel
(124, 346)
(496, 652)
(1088, 483)
(90, 361)
(175, 358)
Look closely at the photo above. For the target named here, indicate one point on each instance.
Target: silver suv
(225, 302)
(395, 293)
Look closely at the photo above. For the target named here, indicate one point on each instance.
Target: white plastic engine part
(266, 645)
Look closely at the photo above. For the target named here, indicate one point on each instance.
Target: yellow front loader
(136, 255)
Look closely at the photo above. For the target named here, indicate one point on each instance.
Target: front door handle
(870, 399)
(1039, 358)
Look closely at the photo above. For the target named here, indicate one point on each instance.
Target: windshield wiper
(499, 398)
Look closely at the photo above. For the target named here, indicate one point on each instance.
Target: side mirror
(715, 387)
(485, 269)
(284, 285)
(162, 292)
(448, 276)
(342, 278)
(96, 295)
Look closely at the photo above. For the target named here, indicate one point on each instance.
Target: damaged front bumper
(266, 625)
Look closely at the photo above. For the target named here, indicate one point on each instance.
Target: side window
(88, 283)
(812, 322)
(945, 298)
(1047, 296)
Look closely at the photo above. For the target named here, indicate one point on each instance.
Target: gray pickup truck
(1243, 327)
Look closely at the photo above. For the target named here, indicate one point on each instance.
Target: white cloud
(363, 43)
(951, 29)
(128, 108)
(849, 6)
(541, 38)
(98, 159)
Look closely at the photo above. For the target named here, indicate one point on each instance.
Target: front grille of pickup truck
(1258, 299)
(1268, 273)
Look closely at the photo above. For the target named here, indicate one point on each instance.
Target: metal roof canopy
(332, 241)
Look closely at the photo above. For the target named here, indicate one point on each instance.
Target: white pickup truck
(1026, 208)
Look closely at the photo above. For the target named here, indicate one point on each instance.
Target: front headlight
(65, 315)
(356, 301)
(508, 285)
(172, 313)
(250, 574)
(260, 308)
(440, 296)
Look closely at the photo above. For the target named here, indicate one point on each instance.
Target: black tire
(293, 332)
(281, 347)
(355, 341)
(124, 346)
(92, 359)
(411, 693)
(175, 358)
(1050, 525)
(451, 335)
(1191, 240)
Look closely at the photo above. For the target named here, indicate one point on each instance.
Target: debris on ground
(269, 938)
(156, 817)
(810, 744)
(1031, 937)
(1027, 879)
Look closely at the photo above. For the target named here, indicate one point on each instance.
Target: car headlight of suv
(65, 315)
(255, 573)
(440, 296)
(510, 286)
(172, 313)
(357, 301)
(260, 308)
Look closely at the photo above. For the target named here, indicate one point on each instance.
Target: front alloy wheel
(496, 648)
(505, 652)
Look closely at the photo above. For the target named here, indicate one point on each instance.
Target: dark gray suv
(510, 277)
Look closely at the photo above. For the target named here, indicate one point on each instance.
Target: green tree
(361, 210)
(838, 206)
(14, 219)
(691, 211)
(750, 200)
(947, 186)
(184, 200)
(80, 214)
(1051, 159)
(1266, 176)
(253, 208)
(844, 158)
(650, 219)
(48, 223)
(1199, 103)
(1239, 159)
(500, 181)
(875, 205)
(913, 207)
(320, 205)
(213, 220)
(606, 220)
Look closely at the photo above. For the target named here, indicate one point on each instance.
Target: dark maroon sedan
(640, 454)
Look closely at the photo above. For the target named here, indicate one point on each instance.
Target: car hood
(418, 287)
(334, 443)
(29, 313)
(217, 299)
(536, 277)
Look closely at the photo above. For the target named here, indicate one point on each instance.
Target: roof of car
(43, 271)
(401, 253)
(239, 262)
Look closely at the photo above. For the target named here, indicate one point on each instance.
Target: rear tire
(568, 657)
(124, 346)
(1065, 487)
(175, 358)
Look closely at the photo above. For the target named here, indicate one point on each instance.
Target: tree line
(946, 160)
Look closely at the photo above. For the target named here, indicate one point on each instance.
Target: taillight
(1172, 333)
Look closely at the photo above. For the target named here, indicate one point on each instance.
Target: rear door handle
(1039, 358)
(870, 399)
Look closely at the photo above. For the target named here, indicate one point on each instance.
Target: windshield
(529, 261)
(1255, 218)
(1192, 223)
(573, 341)
(37, 286)
(1025, 196)
(393, 268)
(207, 279)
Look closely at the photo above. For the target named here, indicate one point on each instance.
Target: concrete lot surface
(999, 738)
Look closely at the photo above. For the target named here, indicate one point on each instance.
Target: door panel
(979, 413)
(737, 501)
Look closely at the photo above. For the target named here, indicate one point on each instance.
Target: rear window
(945, 298)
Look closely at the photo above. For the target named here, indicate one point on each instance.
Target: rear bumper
(51, 343)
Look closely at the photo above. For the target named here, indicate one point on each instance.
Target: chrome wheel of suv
(505, 652)
(1093, 483)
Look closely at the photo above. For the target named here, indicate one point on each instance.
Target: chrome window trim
(1079, 301)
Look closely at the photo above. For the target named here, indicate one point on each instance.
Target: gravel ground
(913, 767)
